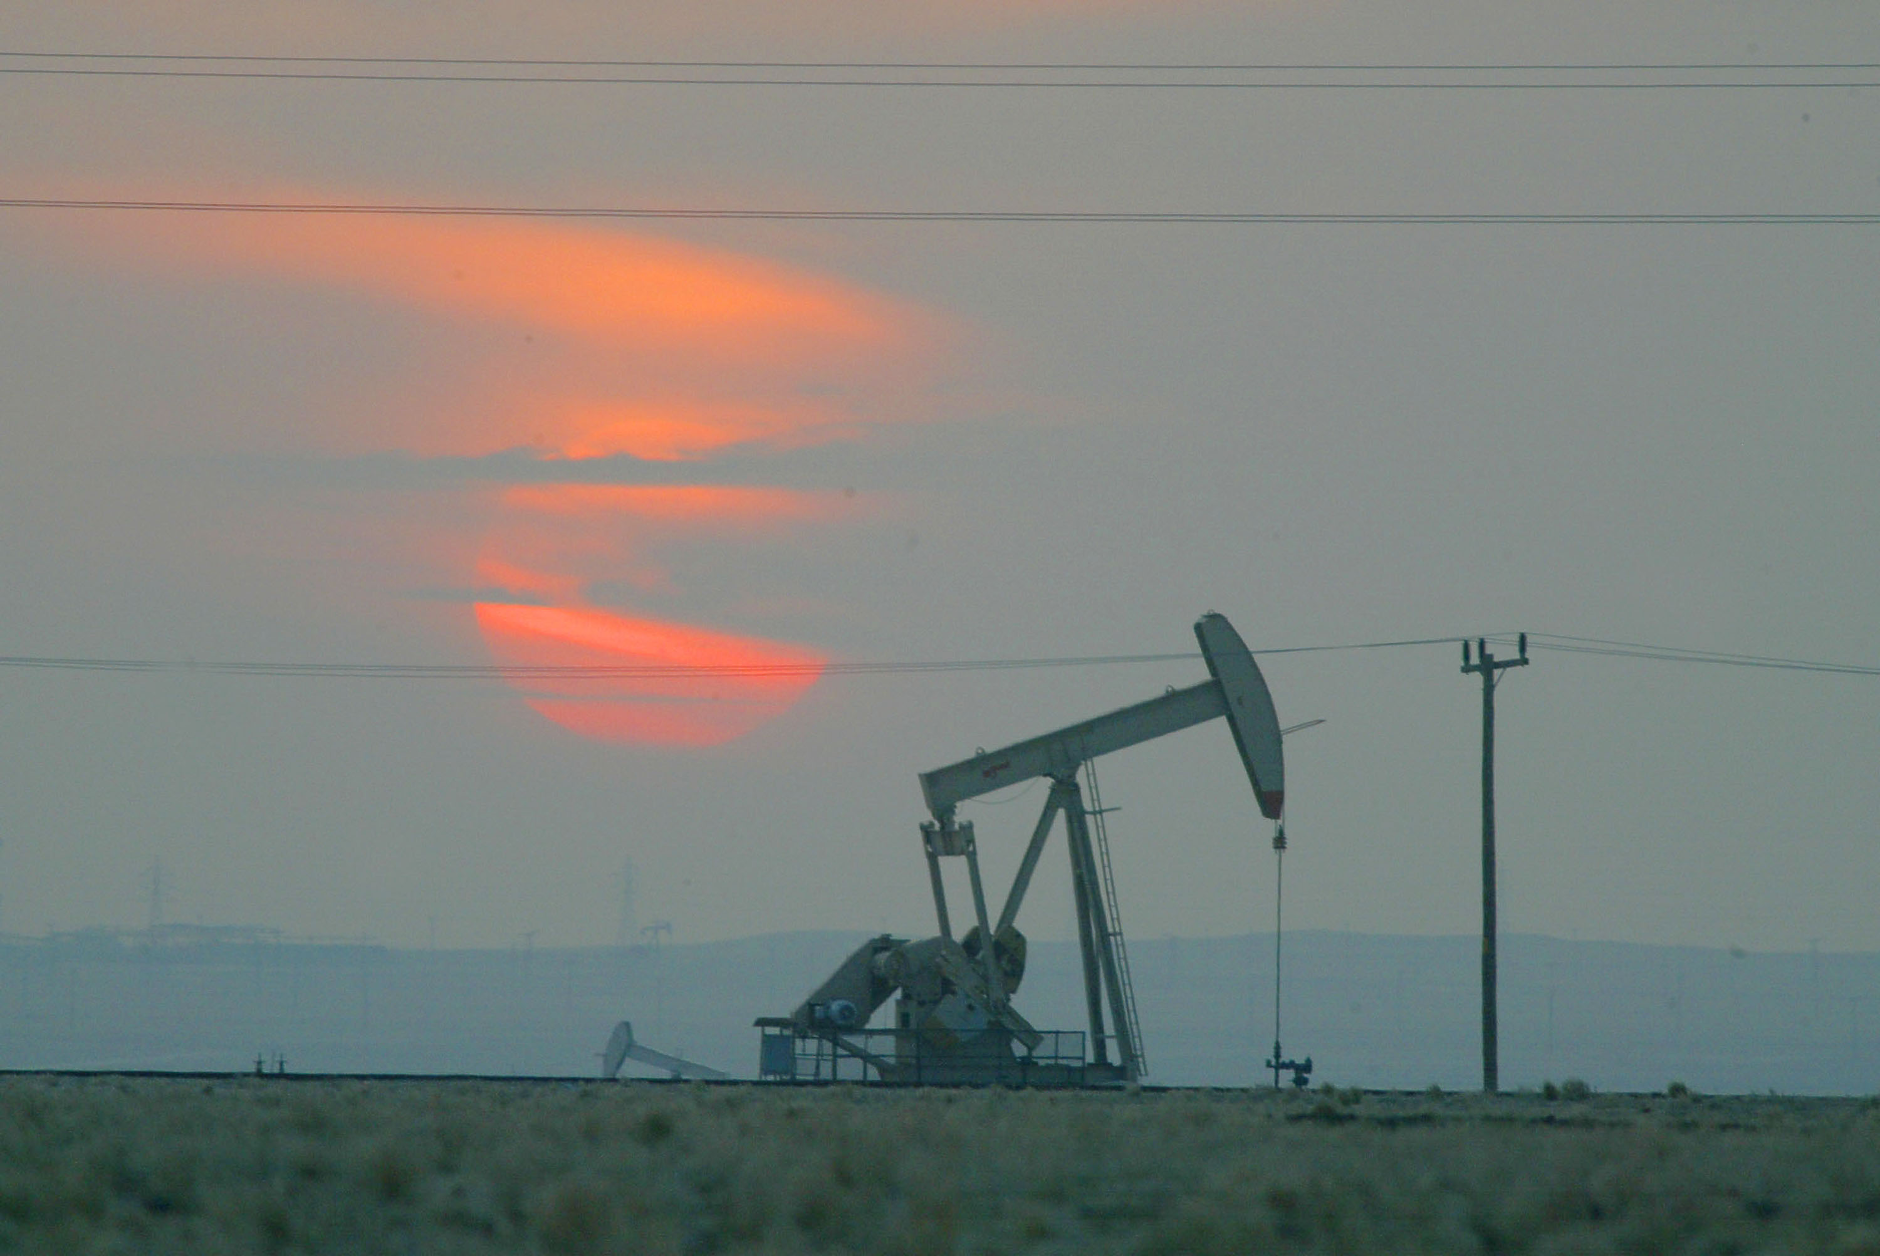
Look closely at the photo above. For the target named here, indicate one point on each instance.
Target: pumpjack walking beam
(1488, 667)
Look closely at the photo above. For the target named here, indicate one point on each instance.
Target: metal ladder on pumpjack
(1100, 832)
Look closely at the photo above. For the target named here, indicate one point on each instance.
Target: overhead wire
(947, 65)
(1680, 654)
(841, 667)
(666, 80)
(1591, 75)
(1135, 217)
(497, 671)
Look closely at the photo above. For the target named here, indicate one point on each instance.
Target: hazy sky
(440, 440)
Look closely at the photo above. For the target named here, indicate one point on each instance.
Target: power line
(1680, 654)
(955, 65)
(427, 671)
(476, 671)
(650, 80)
(1120, 217)
(603, 672)
(894, 74)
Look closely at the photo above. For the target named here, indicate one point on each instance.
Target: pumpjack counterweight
(953, 1020)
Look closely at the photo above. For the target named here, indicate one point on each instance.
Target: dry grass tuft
(390, 1173)
(653, 1129)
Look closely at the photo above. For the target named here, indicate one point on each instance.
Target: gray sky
(328, 440)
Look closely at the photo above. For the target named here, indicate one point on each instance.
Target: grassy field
(250, 1165)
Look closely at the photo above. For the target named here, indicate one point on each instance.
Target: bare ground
(111, 1164)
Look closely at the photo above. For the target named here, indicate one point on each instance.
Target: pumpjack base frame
(900, 1057)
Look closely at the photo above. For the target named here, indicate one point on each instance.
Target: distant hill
(1377, 1011)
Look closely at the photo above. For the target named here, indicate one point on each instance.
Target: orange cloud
(683, 430)
(700, 688)
(590, 338)
(721, 505)
(620, 287)
(588, 342)
(558, 541)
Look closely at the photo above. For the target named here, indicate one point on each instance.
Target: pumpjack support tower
(954, 1023)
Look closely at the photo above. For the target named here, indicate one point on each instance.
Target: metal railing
(904, 1057)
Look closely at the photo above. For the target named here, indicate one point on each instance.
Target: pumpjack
(953, 1022)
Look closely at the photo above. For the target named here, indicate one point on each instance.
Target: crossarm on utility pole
(1060, 753)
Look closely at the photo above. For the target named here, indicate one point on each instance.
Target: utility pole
(1488, 667)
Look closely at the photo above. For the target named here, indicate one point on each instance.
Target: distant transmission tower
(629, 933)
